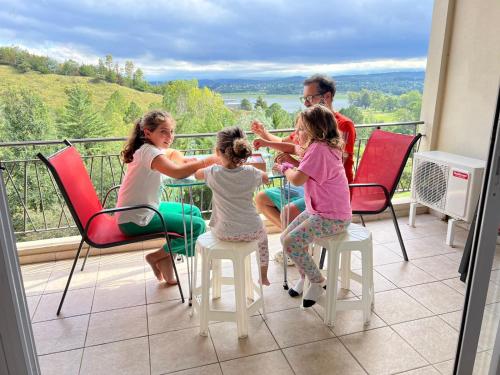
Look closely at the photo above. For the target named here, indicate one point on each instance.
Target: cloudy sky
(226, 38)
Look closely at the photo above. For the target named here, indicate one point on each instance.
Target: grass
(51, 87)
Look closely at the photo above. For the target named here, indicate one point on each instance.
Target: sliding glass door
(479, 340)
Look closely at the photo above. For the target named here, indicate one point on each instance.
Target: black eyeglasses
(309, 98)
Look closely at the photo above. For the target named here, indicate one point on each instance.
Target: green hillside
(51, 87)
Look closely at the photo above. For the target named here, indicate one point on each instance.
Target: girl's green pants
(172, 214)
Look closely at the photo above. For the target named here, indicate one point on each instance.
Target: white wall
(462, 78)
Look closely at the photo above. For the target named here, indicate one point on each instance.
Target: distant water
(289, 103)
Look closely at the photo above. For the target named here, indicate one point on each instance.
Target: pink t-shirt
(326, 190)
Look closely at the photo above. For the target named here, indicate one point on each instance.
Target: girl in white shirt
(147, 164)
(234, 217)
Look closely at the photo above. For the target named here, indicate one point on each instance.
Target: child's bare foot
(265, 281)
(154, 266)
(167, 271)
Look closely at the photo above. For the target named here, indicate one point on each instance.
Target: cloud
(216, 36)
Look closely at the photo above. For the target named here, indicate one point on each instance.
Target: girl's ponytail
(135, 141)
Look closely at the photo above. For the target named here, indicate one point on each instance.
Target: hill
(51, 87)
(394, 83)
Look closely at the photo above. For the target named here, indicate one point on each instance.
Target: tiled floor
(117, 319)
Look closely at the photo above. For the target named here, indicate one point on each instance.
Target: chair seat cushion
(105, 232)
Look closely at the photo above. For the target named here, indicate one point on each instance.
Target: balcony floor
(117, 319)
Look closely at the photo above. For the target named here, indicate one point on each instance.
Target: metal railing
(38, 209)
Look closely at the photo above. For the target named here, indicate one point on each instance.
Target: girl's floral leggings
(303, 231)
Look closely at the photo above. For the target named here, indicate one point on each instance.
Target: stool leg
(205, 294)
(216, 278)
(331, 288)
(248, 278)
(241, 303)
(366, 299)
(345, 270)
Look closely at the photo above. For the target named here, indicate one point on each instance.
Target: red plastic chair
(98, 227)
(378, 174)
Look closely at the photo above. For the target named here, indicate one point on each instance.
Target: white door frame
(17, 346)
(481, 261)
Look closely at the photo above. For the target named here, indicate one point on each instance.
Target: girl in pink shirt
(328, 209)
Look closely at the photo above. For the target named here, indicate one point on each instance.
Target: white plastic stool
(355, 238)
(212, 251)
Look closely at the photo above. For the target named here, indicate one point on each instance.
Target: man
(318, 89)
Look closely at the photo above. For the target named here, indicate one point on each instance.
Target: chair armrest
(372, 185)
(108, 192)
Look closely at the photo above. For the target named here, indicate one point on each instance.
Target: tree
(25, 117)
(279, 117)
(79, 119)
(132, 113)
(246, 105)
(260, 103)
(354, 113)
(69, 68)
(138, 82)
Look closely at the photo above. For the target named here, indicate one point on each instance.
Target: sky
(226, 38)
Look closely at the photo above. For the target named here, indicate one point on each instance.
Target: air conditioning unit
(447, 183)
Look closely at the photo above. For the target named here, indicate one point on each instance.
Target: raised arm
(163, 165)
(258, 128)
(288, 148)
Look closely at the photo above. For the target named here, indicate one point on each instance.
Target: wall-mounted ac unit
(447, 183)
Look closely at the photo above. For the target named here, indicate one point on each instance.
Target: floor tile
(116, 325)
(203, 370)
(297, 326)
(383, 351)
(35, 283)
(456, 284)
(404, 274)
(267, 363)
(229, 346)
(80, 280)
(119, 296)
(322, 357)
(118, 275)
(32, 302)
(395, 306)
(77, 302)
(129, 357)
(180, 350)
(277, 299)
(427, 370)
(380, 284)
(62, 334)
(439, 266)
(437, 297)
(67, 363)
(161, 291)
(435, 340)
(171, 316)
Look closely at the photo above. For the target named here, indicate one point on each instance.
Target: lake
(290, 103)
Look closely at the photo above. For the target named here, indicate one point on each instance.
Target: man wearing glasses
(318, 89)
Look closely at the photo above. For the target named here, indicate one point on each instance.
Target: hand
(283, 167)
(285, 158)
(258, 143)
(265, 178)
(258, 128)
(210, 160)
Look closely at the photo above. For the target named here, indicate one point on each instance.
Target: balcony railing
(39, 211)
